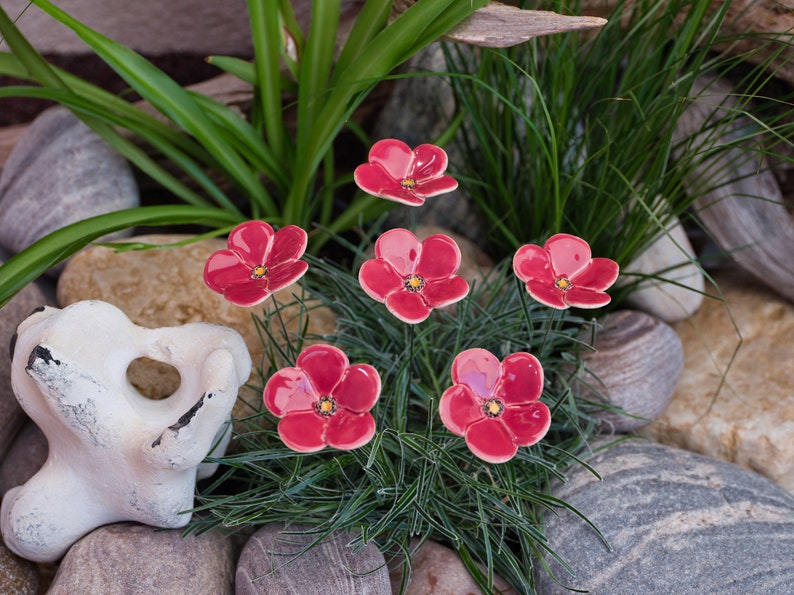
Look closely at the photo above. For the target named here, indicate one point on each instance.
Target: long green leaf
(167, 96)
(27, 265)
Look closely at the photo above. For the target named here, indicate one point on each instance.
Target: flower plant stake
(257, 263)
(411, 277)
(397, 173)
(323, 401)
(563, 273)
(495, 405)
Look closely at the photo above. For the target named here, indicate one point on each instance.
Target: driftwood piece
(744, 210)
(764, 20)
(499, 25)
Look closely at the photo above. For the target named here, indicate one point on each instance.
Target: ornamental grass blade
(169, 98)
(34, 260)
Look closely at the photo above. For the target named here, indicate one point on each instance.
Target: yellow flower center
(408, 183)
(414, 283)
(493, 407)
(563, 284)
(326, 406)
(258, 271)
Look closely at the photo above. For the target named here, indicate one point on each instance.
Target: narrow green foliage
(415, 480)
(575, 133)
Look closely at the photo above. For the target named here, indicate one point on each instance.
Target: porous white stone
(115, 455)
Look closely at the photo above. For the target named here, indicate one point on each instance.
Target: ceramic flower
(323, 401)
(494, 404)
(257, 263)
(563, 274)
(397, 173)
(412, 277)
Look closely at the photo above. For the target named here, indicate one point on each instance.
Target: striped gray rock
(330, 568)
(128, 558)
(678, 522)
(60, 172)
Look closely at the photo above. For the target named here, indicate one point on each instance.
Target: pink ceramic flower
(495, 405)
(257, 263)
(323, 400)
(563, 274)
(412, 277)
(397, 173)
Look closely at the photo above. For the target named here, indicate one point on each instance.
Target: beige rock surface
(165, 287)
(735, 398)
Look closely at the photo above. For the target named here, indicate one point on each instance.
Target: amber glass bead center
(326, 406)
(493, 407)
(258, 271)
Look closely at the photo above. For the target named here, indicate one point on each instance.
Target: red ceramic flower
(563, 274)
(397, 173)
(323, 400)
(412, 277)
(257, 263)
(495, 405)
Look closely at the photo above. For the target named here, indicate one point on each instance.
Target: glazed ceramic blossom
(323, 401)
(494, 404)
(396, 172)
(411, 277)
(562, 273)
(257, 263)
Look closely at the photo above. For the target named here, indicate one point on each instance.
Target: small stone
(676, 522)
(24, 457)
(164, 287)
(17, 576)
(670, 258)
(636, 365)
(272, 561)
(438, 570)
(130, 558)
(60, 172)
(15, 311)
(734, 400)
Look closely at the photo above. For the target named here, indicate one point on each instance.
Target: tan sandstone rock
(735, 398)
(165, 287)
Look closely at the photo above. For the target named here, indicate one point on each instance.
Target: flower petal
(400, 248)
(378, 279)
(581, 297)
(443, 292)
(522, 379)
(375, 180)
(282, 275)
(533, 262)
(347, 430)
(439, 257)
(600, 275)
(394, 156)
(289, 390)
(569, 254)
(247, 294)
(224, 268)
(436, 186)
(324, 365)
(359, 388)
(528, 423)
(478, 369)
(252, 240)
(547, 294)
(303, 431)
(429, 162)
(488, 439)
(408, 307)
(289, 243)
(459, 408)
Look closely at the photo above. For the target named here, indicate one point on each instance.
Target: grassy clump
(415, 480)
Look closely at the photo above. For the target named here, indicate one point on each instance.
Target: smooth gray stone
(58, 173)
(269, 564)
(127, 558)
(678, 522)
